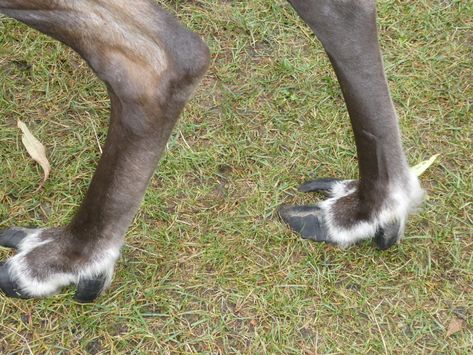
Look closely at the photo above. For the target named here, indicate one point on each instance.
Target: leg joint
(166, 69)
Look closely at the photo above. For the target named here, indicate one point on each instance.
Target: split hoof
(344, 218)
(88, 289)
(46, 261)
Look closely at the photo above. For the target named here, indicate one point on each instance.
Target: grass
(207, 266)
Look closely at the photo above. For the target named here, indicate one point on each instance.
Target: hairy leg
(150, 65)
(377, 205)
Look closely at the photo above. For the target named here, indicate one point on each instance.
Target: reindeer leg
(150, 65)
(377, 205)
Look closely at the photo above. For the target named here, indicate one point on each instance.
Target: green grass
(207, 266)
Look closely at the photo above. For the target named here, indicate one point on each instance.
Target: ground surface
(207, 266)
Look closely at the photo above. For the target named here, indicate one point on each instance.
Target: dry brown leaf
(455, 326)
(35, 149)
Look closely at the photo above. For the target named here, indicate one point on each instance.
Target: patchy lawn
(207, 266)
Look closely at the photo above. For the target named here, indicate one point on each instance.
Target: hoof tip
(7, 285)
(306, 221)
(88, 289)
(387, 236)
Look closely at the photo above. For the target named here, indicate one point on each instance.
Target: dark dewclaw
(319, 185)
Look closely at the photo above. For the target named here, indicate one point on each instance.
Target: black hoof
(387, 236)
(89, 289)
(306, 221)
(12, 237)
(7, 285)
(322, 184)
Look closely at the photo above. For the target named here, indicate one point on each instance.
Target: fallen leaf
(455, 326)
(420, 168)
(35, 149)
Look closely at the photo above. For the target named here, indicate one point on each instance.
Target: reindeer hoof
(344, 218)
(7, 285)
(45, 262)
(88, 289)
(387, 236)
(305, 220)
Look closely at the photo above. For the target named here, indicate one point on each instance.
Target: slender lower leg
(347, 30)
(150, 65)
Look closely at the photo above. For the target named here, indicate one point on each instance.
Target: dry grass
(207, 266)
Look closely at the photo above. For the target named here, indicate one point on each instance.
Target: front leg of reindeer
(377, 205)
(150, 65)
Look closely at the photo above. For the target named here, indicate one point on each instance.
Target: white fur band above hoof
(343, 219)
(41, 268)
